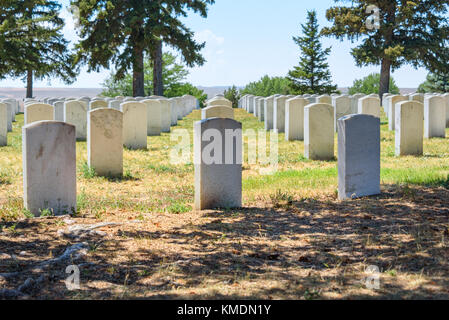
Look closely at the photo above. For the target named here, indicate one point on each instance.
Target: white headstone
(38, 112)
(3, 124)
(75, 113)
(59, 110)
(219, 102)
(391, 103)
(154, 114)
(95, 104)
(134, 125)
(115, 104)
(319, 132)
(49, 167)
(409, 128)
(294, 119)
(370, 106)
(218, 163)
(166, 115)
(446, 99)
(279, 113)
(217, 112)
(342, 107)
(434, 117)
(358, 156)
(268, 113)
(105, 142)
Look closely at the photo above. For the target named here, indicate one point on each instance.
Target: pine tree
(435, 83)
(312, 75)
(32, 43)
(408, 32)
(121, 32)
(233, 95)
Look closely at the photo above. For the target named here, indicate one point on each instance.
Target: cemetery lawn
(292, 239)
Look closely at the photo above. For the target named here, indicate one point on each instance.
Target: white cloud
(209, 37)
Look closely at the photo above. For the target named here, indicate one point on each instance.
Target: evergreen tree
(267, 86)
(435, 83)
(121, 32)
(312, 75)
(32, 43)
(173, 77)
(408, 32)
(233, 95)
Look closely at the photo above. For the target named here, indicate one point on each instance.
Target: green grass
(152, 184)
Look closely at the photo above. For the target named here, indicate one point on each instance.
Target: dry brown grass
(296, 243)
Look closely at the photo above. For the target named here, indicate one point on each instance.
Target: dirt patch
(298, 249)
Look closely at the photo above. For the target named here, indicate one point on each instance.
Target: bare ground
(277, 249)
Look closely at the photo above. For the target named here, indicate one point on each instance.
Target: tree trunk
(29, 84)
(385, 77)
(138, 73)
(385, 70)
(158, 83)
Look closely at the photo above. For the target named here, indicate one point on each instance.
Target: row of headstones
(9, 108)
(49, 160)
(285, 113)
(140, 118)
(309, 118)
(436, 111)
(49, 150)
(313, 119)
(358, 155)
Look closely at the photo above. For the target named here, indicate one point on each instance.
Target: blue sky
(246, 39)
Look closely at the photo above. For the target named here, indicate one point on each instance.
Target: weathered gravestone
(358, 156)
(217, 112)
(355, 102)
(8, 116)
(342, 107)
(174, 112)
(261, 109)
(391, 103)
(219, 102)
(409, 128)
(95, 104)
(3, 124)
(135, 125)
(105, 142)
(115, 104)
(419, 97)
(294, 119)
(256, 103)
(11, 110)
(279, 114)
(38, 112)
(370, 106)
(319, 132)
(446, 99)
(434, 117)
(218, 163)
(324, 99)
(154, 117)
(49, 167)
(75, 113)
(59, 110)
(165, 115)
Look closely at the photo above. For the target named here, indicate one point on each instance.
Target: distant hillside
(40, 93)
